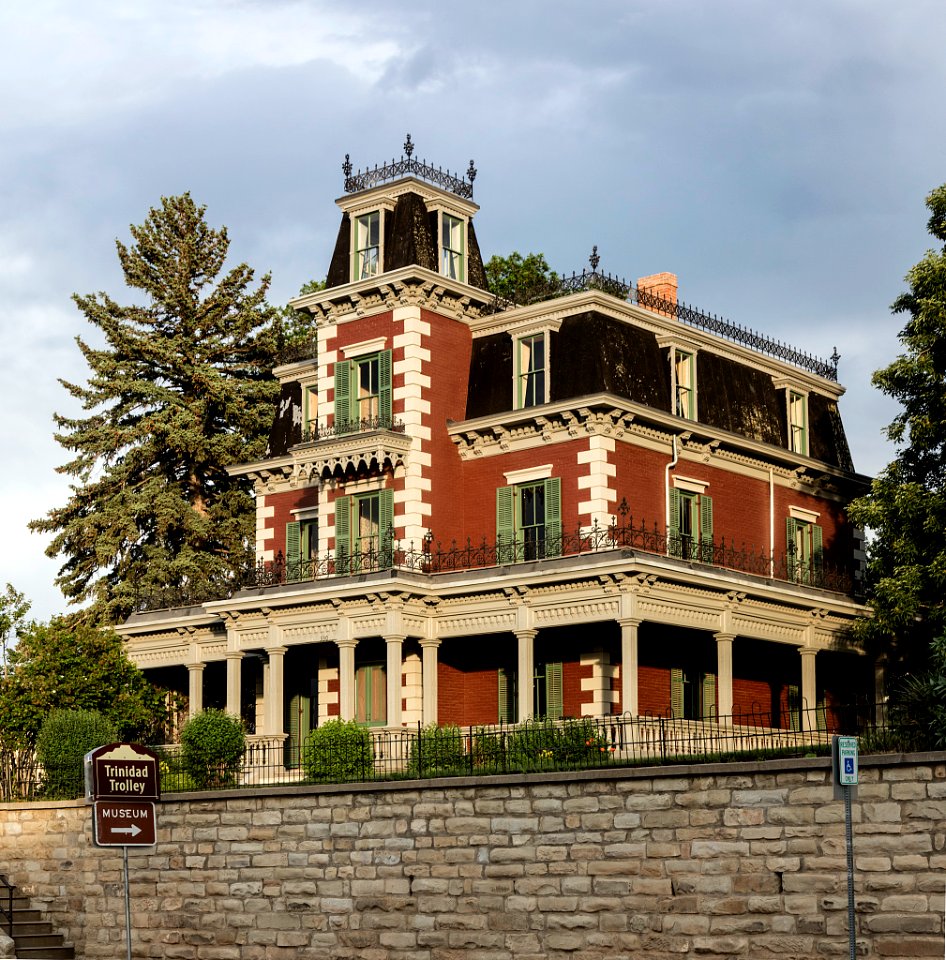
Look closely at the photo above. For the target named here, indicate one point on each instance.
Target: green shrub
(438, 751)
(544, 745)
(65, 737)
(212, 748)
(337, 752)
(489, 749)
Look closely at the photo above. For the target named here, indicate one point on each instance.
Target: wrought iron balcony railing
(346, 428)
(434, 557)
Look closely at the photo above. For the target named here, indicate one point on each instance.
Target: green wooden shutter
(791, 561)
(504, 696)
(554, 701)
(709, 696)
(343, 396)
(342, 534)
(386, 523)
(384, 388)
(293, 550)
(706, 528)
(505, 524)
(676, 692)
(298, 722)
(817, 554)
(674, 546)
(553, 517)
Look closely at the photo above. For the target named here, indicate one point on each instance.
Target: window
(692, 694)
(367, 245)
(547, 699)
(798, 422)
(691, 526)
(804, 551)
(371, 697)
(684, 403)
(363, 393)
(364, 531)
(529, 521)
(530, 371)
(310, 412)
(451, 242)
(302, 549)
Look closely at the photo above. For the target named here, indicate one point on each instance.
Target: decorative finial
(408, 147)
(471, 172)
(346, 167)
(594, 259)
(835, 357)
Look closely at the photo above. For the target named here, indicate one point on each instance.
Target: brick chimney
(663, 285)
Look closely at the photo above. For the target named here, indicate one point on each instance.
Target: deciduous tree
(906, 506)
(180, 389)
(519, 278)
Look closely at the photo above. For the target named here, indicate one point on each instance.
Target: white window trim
(804, 394)
(690, 484)
(519, 332)
(800, 513)
(305, 513)
(674, 343)
(363, 348)
(527, 475)
(382, 210)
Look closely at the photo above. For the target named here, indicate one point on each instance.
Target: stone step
(32, 927)
(45, 953)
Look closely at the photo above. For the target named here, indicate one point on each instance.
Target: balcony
(350, 446)
(433, 557)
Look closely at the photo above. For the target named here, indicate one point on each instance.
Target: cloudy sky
(775, 155)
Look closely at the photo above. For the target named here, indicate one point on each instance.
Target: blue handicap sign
(849, 765)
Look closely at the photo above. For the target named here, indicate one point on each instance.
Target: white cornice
(407, 285)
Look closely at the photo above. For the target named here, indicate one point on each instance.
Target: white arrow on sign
(134, 829)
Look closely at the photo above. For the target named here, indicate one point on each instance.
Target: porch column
(809, 688)
(234, 658)
(629, 683)
(724, 675)
(346, 678)
(274, 690)
(525, 667)
(429, 650)
(394, 647)
(195, 688)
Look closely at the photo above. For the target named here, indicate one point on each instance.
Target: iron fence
(349, 753)
(537, 746)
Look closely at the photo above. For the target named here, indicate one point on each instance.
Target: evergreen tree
(181, 390)
(906, 506)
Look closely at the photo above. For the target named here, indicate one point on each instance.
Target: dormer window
(367, 245)
(531, 370)
(451, 244)
(798, 422)
(684, 376)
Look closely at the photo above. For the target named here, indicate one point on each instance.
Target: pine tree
(906, 506)
(181, 390)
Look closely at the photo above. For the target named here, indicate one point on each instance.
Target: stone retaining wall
(705, 861)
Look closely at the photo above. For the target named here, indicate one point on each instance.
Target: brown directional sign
(122, 771)
(124, 823)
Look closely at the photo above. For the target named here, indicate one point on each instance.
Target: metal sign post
(844, 763)
(123, 781)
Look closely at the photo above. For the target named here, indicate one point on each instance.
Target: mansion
(592, 501)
